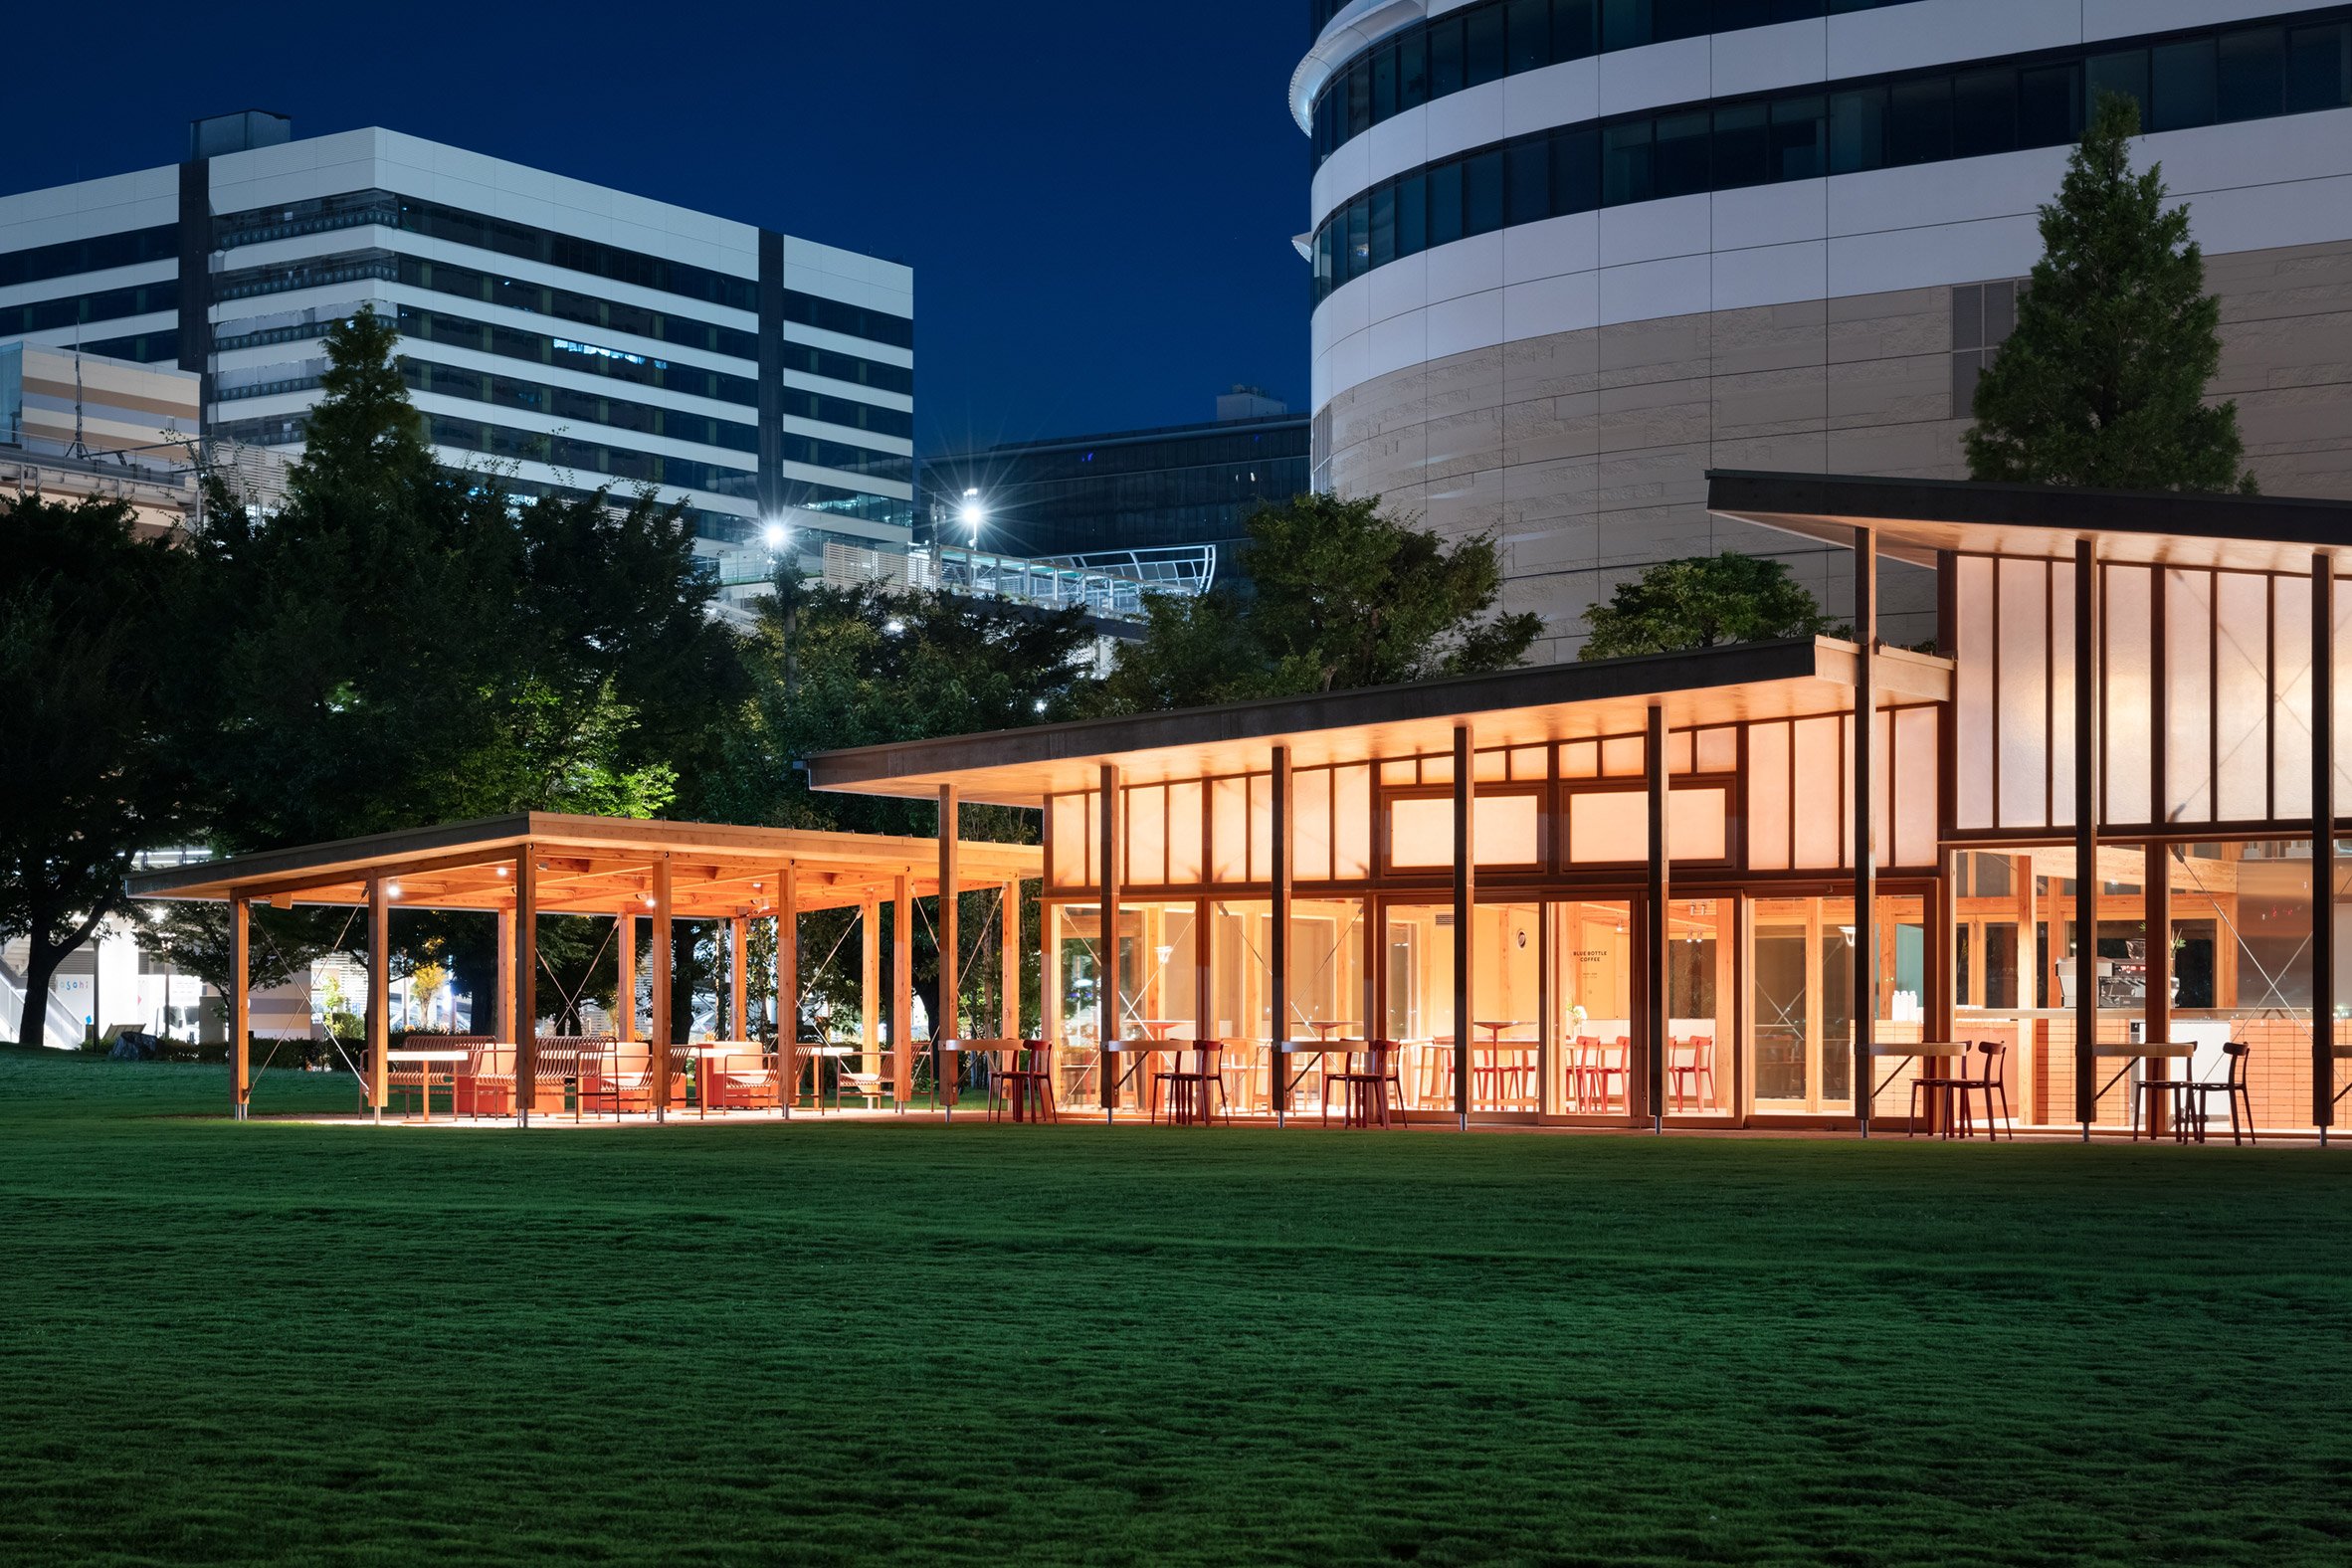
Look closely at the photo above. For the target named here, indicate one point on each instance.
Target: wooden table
(1142, 1050)
(1940, 1101)
(969, 1047)
(425, 1078)
(1317, 1049)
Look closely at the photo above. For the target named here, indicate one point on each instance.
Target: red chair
(745, 1078)
(1690, 1064)
(1364, 1076)
(1597, 1073)
(1992, 1078)
(1024, 1084)
(1199, 1069)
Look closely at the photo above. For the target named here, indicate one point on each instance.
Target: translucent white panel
(1678, 751)
(1846, 779)
(2021, 701)
(1768, 797)
(1490, 767)
(1580, 759)
(1406, 772)
(1311, 825)
(1229, 830)
(1719, 750)
(1094, 837)
(1508, 830)
(1066, 838)
(2241, 696)
(1975, 690)
(1351, 821)
(1437, 769)
(1915, 778)
(2062, 694)
(1607, 826)
(1420, 832)
(2340, 668)
(1184, 833)
(1881, 790)
(1261, 827)
(1622, 759)
(1819, 817)
(1531, 763)
(2188, 696)
(1695, 827)
(2128, 684)
(1146, 827)
(2290, 699)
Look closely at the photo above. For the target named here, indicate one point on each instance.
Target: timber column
(239, 1007)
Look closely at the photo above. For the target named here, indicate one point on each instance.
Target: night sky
(1098, 202)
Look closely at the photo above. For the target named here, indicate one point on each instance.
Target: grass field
(859, 1343)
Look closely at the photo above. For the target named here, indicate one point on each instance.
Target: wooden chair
(1596, 1071)
(2231, 1088)
(2156, 1083)
(1025, 1082)
(1364, 1079)
(1992, 1078)
(1691, 1065)
(1198, 1069)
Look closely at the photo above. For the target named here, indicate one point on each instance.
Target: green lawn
(858, 1343)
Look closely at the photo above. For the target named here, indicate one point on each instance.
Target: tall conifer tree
(2103, 384)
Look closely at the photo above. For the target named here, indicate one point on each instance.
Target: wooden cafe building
(1729, 887)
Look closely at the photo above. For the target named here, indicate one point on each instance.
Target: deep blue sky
(1098, 201)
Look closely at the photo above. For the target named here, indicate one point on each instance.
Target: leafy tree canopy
(85, 650)
(1704, 601)
(1343, 596)
(2104, 381)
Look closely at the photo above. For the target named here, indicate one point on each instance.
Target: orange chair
(745, 1078)
(484, 1079)
(626, 1082)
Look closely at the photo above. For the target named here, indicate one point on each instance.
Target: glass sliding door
(1595, 1027)
(1802, 985)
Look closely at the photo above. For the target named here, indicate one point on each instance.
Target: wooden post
(1466, 903)
(1865, 784)
(625, 992)
(1277, 945)
(949, 1023)
(902, 990)
(869, 984)
(527, 982)
(2086, 834)
(1656, 999)
(503, 1027)
(659, 1024)
(379, 994)
(240, 1005)
(2323, 843)
(788, 991)
(2156, 892)
(737, 991)
(1108, 991)
(1010, 984)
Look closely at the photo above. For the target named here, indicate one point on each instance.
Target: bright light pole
(972, 514)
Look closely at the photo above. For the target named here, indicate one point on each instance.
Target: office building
(572, 335)
(1569, 255)
(1178, 491)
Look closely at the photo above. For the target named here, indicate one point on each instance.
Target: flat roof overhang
(1546, 702)
(594, 866)
(1915, 520)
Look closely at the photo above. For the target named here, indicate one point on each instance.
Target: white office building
(1569, 255)
(570, 334)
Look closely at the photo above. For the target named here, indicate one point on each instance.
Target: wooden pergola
(536, 863)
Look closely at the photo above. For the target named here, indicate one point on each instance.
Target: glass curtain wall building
(1566, 253)
(572, 335)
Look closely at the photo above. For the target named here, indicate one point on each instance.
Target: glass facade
(1477, 44)
(1191, 485)
(2181, 79)
(68, 258)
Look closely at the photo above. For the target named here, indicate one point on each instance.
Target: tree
(403, 643)
(1703, 601)
(86, 624)
(2103, 383)
(1343, 596)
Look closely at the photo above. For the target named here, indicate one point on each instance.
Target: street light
(972, 514)
(775, 534)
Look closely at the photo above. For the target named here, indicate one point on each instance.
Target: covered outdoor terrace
(515, 870)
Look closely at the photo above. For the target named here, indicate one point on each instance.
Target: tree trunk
(40, 970)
